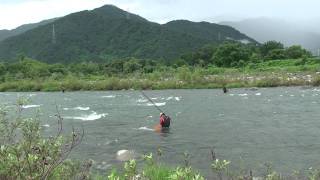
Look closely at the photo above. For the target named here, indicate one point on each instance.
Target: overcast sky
(17, 12)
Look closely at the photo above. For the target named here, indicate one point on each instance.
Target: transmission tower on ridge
(128, 14)
(53, 35)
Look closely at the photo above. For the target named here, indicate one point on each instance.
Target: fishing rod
(155, 105)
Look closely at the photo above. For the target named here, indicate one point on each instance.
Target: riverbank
(274, 73)
(138, 84)
(235, 80)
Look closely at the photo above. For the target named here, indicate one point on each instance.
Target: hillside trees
(273, 50)
(231, 54)
(296, 51)
(269, 46)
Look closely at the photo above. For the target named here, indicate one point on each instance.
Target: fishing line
(155, 105)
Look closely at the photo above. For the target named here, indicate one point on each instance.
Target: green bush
(269, 82)
(26, 154)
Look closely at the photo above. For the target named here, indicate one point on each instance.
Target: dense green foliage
(235, 54)
(4, 34)
(110, 33)
(26, 154)
(204, 30)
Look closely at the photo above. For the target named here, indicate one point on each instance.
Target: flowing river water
(249, 127)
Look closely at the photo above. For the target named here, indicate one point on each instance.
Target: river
(249, 127)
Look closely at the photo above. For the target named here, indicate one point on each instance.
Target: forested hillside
(108, 33)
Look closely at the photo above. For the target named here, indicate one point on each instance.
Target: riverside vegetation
(230, 64)
(26, 153)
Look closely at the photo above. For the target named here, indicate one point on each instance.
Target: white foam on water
(145, 129)
(78, 108)
(82, 108)
(91, 117)
(124, 155)
(30, 95)
(245, 94)
(121, 152)
(317, 90)
(109, 96)
(169, 98)
(177, 98)
(154, 98)
(281, 95)
(142, 100)
(103, 166)
(46, 125)
(231, 94)
(258, 94)
(30, 106)
(157, 104)
(110, 142)
(292, 95)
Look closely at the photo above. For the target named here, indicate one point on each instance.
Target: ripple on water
(157, 104)
(245, 94)
(78, 108)
(145, 129)
(169, 98)
(46, 125)
(142, 100)
(88, 117)
(109, 96)
(30, 106)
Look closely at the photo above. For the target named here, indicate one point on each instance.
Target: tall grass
(264, 74)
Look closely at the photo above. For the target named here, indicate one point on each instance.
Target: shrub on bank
(316, 81)
(26, 154)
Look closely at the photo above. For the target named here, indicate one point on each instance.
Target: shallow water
(249, 128)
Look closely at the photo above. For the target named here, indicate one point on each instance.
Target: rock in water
(125, 155)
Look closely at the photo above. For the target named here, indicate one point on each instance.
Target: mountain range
(109, 33)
